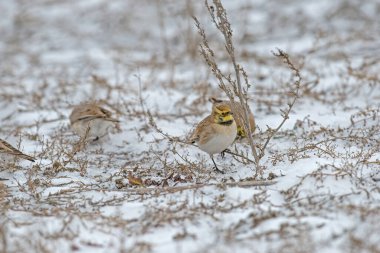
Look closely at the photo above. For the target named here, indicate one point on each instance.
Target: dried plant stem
(295, 93)
(223, 25)
(173, 189)
(233, 87)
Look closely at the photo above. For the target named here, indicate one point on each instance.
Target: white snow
(325, 159)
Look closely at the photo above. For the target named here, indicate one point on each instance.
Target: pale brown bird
(7, 150)
(216, 132)
(91, 121)
(238, 112)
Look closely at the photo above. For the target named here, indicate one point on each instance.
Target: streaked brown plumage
(91, 121)
(238, 112)
(8, 149)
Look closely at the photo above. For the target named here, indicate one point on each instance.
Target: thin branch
(285, 114)
(173, 189)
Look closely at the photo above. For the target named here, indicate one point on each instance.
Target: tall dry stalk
(233, 87)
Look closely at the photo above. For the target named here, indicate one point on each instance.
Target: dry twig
(233, 87)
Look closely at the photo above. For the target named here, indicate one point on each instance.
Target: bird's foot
(223, 153)
(218, 170)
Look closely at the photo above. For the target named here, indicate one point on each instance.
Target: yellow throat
(222, 115)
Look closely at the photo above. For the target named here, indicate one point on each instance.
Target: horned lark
(7, 150)
(216, 132)
(91, 122)
(238, 112)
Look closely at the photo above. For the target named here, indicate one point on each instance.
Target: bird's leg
(216, 167)
(223, 153)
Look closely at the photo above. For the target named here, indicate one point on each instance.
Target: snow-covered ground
(140, 56)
